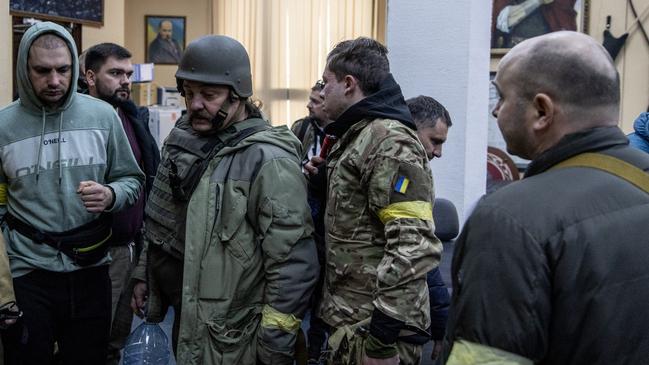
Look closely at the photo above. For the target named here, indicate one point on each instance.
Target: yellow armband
(272, 318)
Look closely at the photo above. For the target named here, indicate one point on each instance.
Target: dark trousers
(166, 273)
(318, 329)
(71, 309)
(317, 336)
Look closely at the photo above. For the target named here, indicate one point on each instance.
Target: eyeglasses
(320, 84)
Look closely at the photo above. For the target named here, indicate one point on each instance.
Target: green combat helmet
(217, 60)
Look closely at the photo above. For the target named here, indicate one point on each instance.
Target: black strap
(84, 235)
(303, 127)
(182, 187)
(318, 135)
(245, 133)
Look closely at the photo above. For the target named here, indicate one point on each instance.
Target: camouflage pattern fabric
(347, 344)
(379, 228)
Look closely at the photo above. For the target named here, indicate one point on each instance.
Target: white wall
(441, 49)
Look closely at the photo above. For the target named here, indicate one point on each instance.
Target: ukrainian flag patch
(402, 184)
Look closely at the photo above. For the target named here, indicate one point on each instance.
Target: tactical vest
(186, 158)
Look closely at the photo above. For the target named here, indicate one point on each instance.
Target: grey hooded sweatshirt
(45, 154)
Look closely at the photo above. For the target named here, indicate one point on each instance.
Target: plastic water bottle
(147, 345)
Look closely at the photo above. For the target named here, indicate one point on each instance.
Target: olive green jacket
(6, 281)
(250, 263)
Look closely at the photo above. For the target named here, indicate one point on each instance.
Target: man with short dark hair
(378, 220)
(432, 121)
(108, 76)
(552, 269)
(310, 130)
(66, 166)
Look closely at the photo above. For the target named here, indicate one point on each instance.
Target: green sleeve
(280, 214)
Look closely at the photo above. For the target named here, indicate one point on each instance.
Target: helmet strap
(221, 115)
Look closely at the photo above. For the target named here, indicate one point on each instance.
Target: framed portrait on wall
(513, 21)
(164, 39)
(89, 12)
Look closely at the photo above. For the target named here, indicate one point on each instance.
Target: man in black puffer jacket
(553, 269)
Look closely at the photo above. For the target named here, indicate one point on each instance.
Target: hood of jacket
(387, 103)
(28, 98)
(641, 125)
(281, 137)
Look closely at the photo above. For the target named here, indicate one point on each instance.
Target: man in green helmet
(228, 226)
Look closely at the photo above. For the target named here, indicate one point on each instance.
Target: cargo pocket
(347, 346)
(231, 345)
(235, 233)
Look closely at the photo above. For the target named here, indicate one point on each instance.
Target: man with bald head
(164, 49)
(553, 269)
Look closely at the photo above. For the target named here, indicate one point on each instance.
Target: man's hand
(389, 361)
(96, 197)
(138, 299)
(311, 167)
(9, 315)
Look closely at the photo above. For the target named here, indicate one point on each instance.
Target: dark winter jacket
(554, 268)
(439, 303)
(139, 118)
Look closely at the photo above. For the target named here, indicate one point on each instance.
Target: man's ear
(544, 111)
(90, 77)
(351, 84)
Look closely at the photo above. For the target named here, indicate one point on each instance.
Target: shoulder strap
(245, 133)
(303, 127)
(612, 165)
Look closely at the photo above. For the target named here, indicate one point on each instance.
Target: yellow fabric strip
(404, 185)
(469, 353)
(6, 283)
(612, 165)
(90, 248)
(3, 194)
(272, 318)
(417, 209)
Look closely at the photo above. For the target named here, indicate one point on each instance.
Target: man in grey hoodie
(65, 165)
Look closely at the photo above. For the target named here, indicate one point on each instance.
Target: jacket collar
(589, 140)
(236, 129)
(386, 103)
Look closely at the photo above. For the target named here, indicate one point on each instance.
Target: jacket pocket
(232, 344)
(235, 232)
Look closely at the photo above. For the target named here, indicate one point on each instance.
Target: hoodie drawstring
(40, 146)
(59, 147)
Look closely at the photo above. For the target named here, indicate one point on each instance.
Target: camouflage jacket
(379, 227)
